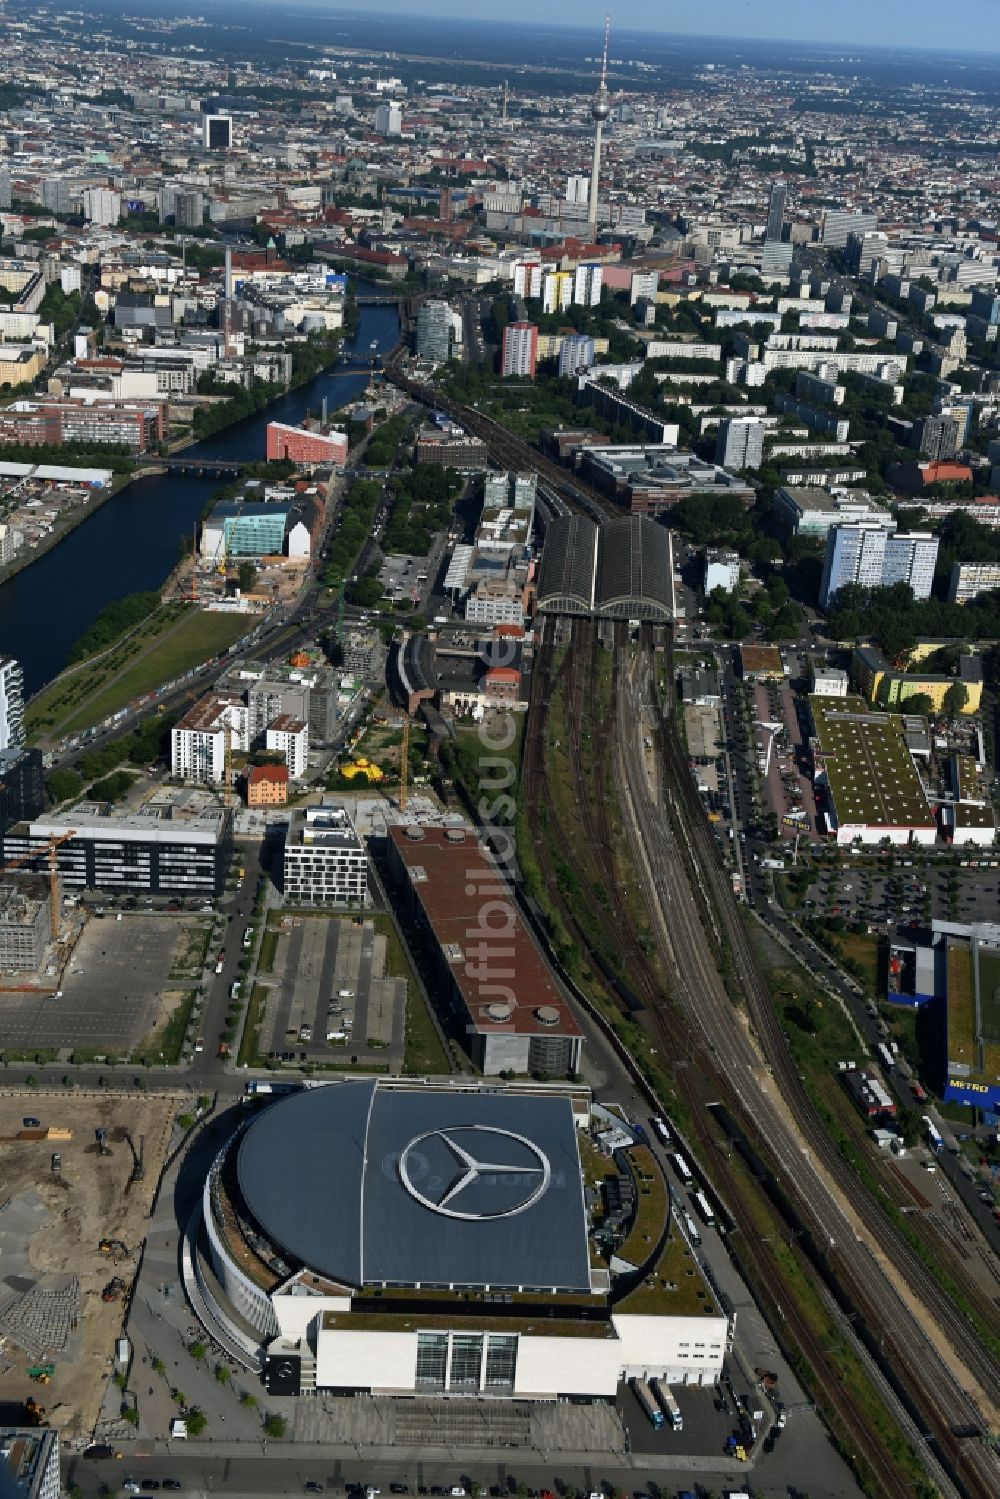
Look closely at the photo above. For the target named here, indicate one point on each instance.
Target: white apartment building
(11, 704)
(722, 570)
(289, 736)
(970, 579)
(873, 557)
(325, 862)
(101, 205)
(829, 681)
(527, 278)
(198, 741)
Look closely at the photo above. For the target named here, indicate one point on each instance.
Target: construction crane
(404, 762)
(54, 843)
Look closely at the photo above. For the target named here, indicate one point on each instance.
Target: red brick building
(303, 446)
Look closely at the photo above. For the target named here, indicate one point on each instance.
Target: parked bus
(645, 1398)
(671, 1409)
(692, 1229)
(886, 1055)
(683, 1169)
(704, 1208)
(661, 1131)
(934, 1139)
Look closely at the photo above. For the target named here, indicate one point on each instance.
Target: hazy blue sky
(912, 23)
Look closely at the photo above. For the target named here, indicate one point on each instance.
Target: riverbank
(65, 525)
(135, 533)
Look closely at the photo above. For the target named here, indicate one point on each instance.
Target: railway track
(697, 1082)
(506, 450)
(853, 1265)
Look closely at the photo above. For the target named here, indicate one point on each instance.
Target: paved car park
(116, 988)
(330, 994)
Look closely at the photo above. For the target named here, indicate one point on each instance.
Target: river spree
(133, 541)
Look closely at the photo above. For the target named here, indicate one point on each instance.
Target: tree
(197, 1350)
(920, 703)
(63, 784)
(158, 1366)
(274, 1426)
(130, 1415)
(956, 699)
(223, 1373)
(247, 1400)
(196, 1423)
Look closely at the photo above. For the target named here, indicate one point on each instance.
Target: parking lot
(329, 994)
(881, 898)
(122, 981)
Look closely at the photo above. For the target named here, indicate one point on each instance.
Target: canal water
(133, 541)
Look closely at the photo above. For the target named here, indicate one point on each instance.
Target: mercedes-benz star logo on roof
(473, 1167)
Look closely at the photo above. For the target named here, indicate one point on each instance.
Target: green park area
(167, 642)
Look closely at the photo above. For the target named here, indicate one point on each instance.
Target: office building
(25, 924)
(102, 206)
(434, 332)
(217, 132)
(970, 579)
(29, 1462)
(388, 119)
(189, 209)
(520, 350)
(838, 224)
(722, 570)
(303, 446)
(527, 278)
(57, 195)
(11, 704)
(239, 528)
(138, 425)
(776, 211)
(289, 736)
(873, 556)
(451, 447)
(588, 282)
(325, 863)
(22, 786)
(207, 734)
(810, 510)
(577, 190)
(940, 437)
(740, 443)
(775, 264)
(179, 843)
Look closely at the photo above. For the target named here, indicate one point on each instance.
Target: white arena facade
(402, 1238)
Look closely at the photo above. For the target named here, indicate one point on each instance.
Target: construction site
(78, 1174)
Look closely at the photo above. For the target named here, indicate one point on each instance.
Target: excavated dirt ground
(50, 1226)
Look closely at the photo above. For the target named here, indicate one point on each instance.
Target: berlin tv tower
(600, 109)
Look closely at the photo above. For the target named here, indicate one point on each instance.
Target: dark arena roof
(620, 570)
(369, 1184)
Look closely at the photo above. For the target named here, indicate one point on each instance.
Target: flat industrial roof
(466, 905)
(872, 778)
(368, 1184)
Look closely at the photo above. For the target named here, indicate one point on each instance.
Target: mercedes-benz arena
(409, 1238)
